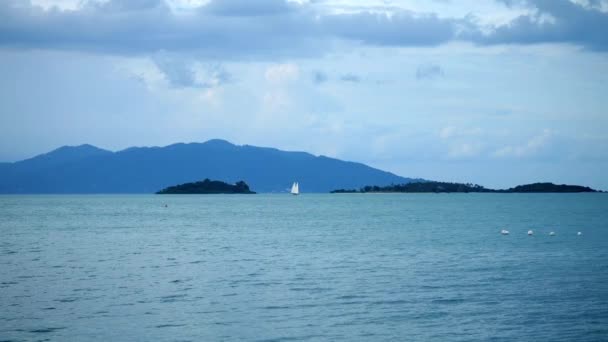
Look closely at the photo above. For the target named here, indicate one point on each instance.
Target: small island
(550, 187)
(443, 187)
(208, 186)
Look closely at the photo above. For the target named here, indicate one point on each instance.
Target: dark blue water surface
(351, 267)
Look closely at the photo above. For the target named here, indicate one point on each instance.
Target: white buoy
(552, 234)
(530, 232)
(579, 233)
(504, 232)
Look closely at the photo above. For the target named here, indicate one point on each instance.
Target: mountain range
(88, 169)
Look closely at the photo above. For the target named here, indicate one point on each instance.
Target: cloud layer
(452, 90)
(554, 21)
(267, 29)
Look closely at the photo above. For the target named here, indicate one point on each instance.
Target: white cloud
(452, 132)
(464, 150)
(212, 97)
(464, 142)
(279, 78)
(447, 132)
(275, 100)
(211, 75)
(282, 73)
(530, 148)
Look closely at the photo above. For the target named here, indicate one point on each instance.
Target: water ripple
(316, 267)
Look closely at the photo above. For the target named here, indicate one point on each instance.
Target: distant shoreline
(443, 187)
(456, 193)
(284, 193)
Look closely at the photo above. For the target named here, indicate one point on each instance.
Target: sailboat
(295, 188)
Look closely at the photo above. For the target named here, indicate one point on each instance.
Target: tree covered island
(208, 186)
(549, 187)
(443, 187)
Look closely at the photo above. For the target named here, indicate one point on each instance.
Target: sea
(314, 267)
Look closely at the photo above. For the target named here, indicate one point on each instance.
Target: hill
(88, 169)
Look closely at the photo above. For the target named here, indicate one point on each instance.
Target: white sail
(295, 188)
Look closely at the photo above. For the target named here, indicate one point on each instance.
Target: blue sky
(498, 92)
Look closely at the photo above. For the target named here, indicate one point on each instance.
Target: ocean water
(352, 267)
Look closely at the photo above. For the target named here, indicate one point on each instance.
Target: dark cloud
(563, 22)
(148, 26)
(182, 73)
(429, 71)
(402, 28)
(126, 6)
(242, 8)
(221, 28)
(319, 77)
(221, 74)
(268, 29)
(177, 72)
(350, 78)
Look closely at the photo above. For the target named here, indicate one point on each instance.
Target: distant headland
(443, 187)
(208, 186)
(86, 169)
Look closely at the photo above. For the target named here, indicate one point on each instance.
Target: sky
(494, 92)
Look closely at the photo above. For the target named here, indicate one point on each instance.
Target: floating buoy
(579, 233)
(530, 232)
(552, 234)
(504, 232)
